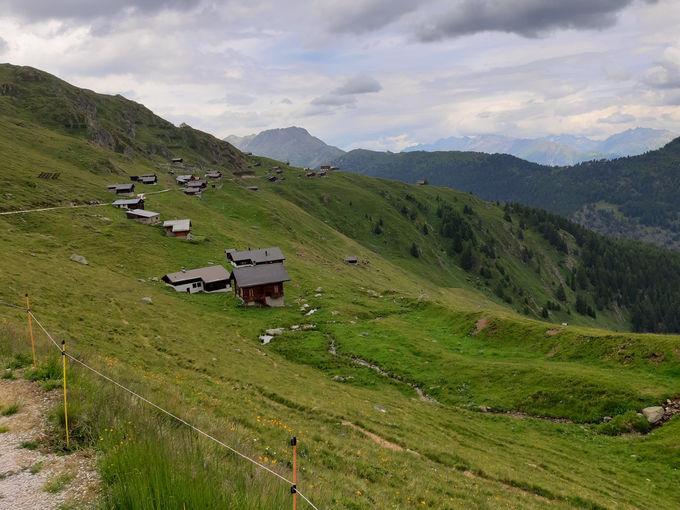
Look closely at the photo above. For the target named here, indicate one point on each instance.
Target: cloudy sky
(379, 74)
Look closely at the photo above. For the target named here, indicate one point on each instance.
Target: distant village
(257, 276)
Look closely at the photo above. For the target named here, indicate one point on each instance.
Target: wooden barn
(129, 203)
(142, 216)
(261, 284)
(272, 255)
(122, 189)
(177, 228)
(205, 279)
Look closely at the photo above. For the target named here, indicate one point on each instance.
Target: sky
(376, 74)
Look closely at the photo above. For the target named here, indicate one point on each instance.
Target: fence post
(30, 328)
(63, 360)
(293, 489)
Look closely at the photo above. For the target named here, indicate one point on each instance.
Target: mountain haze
(292, 144)
(556, 150)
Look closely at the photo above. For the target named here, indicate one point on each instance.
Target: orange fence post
(293, 489)
(63, 359)
(30, 328)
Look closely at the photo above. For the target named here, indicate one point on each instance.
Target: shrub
(624, 423)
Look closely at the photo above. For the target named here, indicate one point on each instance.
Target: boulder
(265, 339)
(79, 258)
(275, 331)
(653, 414)
(147, 300)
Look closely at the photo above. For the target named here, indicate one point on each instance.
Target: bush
(625, 423)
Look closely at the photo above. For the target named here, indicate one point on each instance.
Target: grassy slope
(199, 354)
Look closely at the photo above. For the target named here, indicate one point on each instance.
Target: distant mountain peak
(293, 144)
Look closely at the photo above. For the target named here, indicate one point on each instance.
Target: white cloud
(355, 73)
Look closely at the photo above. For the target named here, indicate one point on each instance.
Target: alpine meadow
(477, 355)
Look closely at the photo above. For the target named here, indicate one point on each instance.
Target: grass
(29, 445)
(35, 468)
(11, 409)
(58, 482)
(199, 356)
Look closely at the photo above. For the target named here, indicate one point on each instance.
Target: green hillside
(383, 388)
(632, 197)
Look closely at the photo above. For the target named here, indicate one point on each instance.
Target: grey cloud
(358, 17)
(36, 10)
(618, 118)
(285, 100)
(361, 84)
(334, 100)
(3, 46)
(345, 94)
(528, 18)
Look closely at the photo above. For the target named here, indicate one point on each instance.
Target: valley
(432, 373)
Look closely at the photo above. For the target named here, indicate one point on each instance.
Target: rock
(147, 300)
(295, 327)
(142, 280)
(381, 409)
(335, 312)
(653, 414)
(484, 409)
(265, 339)
(352, 322)
(311, 312)
(275, 331)
(308, 326)
(79, 258)
(154, 278)
(607, 419)
(319, 289)
(363, 333)
(318, 294)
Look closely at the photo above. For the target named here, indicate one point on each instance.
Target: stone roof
(251, 276)
(207, 274)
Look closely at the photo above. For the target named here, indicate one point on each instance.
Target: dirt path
(375, 437)
(25, 473)
(481, 325)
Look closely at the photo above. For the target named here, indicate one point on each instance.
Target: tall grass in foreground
(146, 460)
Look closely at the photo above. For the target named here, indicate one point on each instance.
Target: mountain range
(633, 197)
(300, 148)
(556, 150)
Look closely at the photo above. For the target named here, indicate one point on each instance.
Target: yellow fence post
(63, 360)
(293, 489)
(30, 328)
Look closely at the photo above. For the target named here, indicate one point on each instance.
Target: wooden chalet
(177, 228)
(261, 284)
(213, 174)
(122, 189)
(421, 182)
(145, 178)
(142, 216)
(257, 257)
(129, 203)
(325, 167)
(183, 179)
(196, 183)
(188, 190)
(205, 279)
(351, 259)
